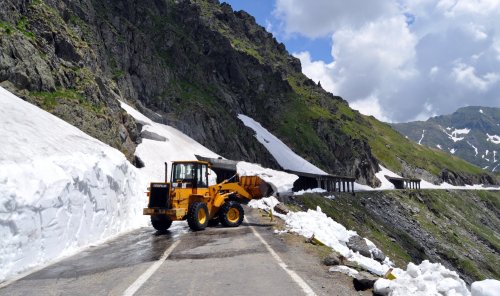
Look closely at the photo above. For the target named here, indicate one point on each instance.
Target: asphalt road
(247, 260)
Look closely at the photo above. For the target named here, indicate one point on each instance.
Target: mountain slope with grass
(196, 65)
(471, 133)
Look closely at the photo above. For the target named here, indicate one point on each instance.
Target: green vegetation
(6, 27)
(50, 100)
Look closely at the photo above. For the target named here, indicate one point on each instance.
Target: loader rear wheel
(231, 214)
(197, 216)
(161, 223)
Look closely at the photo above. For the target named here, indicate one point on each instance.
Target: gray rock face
(171, 59)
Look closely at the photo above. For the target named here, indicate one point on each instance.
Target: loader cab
(190, 174)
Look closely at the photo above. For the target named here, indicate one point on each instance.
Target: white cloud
(465, 75)
(322, 17)
(318, 71)
(447, 56)
(370, 106)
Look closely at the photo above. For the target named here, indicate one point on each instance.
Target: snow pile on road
(327, 231)
(266, 203)
(60, 189)
(286, 158)
(168, 145)
(281, 182)
(425, 279)
(344, 269)
(485, 288)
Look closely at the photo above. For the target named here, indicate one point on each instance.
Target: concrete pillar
(319, 182)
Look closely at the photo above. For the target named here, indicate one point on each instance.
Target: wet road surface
(216, 261)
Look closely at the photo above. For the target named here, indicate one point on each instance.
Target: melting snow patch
(481, 111)
(453, 150)
(421, 138)
(493, 138)
(286, 158)
(455, 134)
(154, 154)
(475, 149)
(439, 146)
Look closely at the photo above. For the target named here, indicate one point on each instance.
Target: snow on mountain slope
(60, 189)
(286, 158)
(154, 153)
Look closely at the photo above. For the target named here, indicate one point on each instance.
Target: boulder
(281, 209)
(364, 281)
(333, 259)
(358, 244)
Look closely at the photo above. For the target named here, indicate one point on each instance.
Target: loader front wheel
(160, 222)
(231, 214)
(197, 216)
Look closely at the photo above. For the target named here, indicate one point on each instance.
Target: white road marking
(149, 272)
(295, 277)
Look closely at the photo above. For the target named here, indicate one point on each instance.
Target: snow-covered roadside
(60, 189)
(424, 279)
(326, 230)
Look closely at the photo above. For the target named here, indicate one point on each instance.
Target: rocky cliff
(194, 65)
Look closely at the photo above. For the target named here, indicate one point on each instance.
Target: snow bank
(426, 279)
(176, 146)
(327, 231)
(281, 182)
(286, 158)
(485, 288)
(60, 189)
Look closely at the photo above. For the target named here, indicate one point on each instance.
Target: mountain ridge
(471, 133)
(195, 65)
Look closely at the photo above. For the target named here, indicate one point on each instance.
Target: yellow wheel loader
(189, 197)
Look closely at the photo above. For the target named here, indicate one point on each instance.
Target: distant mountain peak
(471, 133)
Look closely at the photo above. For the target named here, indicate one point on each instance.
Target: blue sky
(262, 10)
(398, 60)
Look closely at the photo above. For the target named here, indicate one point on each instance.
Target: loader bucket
(257, 187)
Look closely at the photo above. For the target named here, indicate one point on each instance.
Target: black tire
(197, 216)
(231, 214)
(213, 222)
(160, 222)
